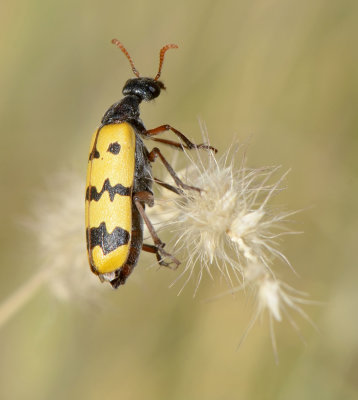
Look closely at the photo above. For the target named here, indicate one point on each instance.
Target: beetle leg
(170, 143)
(154, 249)
(188, 143)
(158, 248)
(152, 157)
(167, 186)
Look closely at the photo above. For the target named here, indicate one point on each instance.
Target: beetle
(119, 181)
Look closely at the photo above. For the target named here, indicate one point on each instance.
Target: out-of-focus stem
(22, 295)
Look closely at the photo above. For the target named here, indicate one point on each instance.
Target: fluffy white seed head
(229, 223)
(57, 224)
(230, 227)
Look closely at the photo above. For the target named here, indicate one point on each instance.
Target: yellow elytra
(110, 177)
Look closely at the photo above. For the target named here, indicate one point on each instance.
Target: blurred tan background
(281, 75)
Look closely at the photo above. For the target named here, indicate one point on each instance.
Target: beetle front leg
(188, 144)
(158, 248)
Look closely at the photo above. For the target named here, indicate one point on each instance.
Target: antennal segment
(161, 57)
(124, 50)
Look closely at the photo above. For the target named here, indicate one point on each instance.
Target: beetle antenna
(161, 57)
(124, 50)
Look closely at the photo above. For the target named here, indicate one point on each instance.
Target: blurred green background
(281, 75)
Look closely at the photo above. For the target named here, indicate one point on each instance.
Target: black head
(145, 88)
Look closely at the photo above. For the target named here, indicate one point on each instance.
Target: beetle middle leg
(156, 153)
(169, 187)
(139, 199)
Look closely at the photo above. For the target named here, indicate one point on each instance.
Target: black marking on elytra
(107, 187)
(114, 148)
(108, 242)
(94, 154)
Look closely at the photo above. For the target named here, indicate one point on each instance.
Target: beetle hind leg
(161, 254)
(139, 199)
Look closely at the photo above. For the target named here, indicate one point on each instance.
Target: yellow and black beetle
(119, 181)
